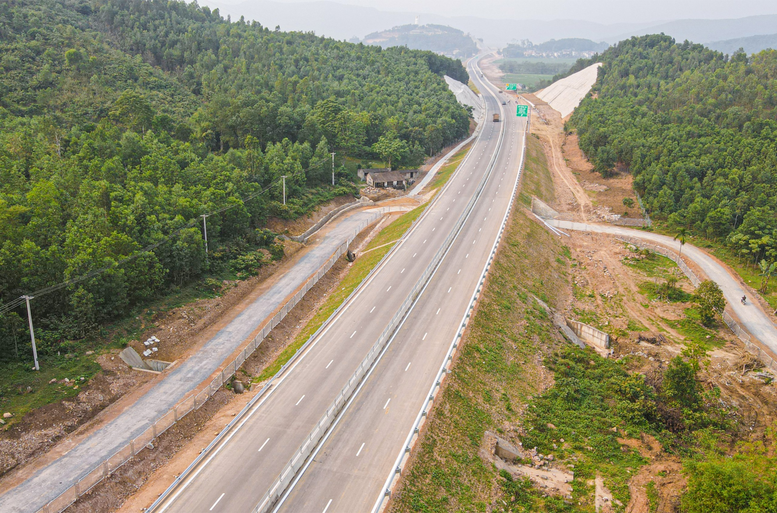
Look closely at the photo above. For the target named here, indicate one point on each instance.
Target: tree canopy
(698, 129)
(123, 121)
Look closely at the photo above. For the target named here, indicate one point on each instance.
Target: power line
(47, 290)
(11, 306)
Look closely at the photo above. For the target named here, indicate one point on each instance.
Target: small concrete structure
(597, 339)
(542, 209)
(133, 359)
(386, 179)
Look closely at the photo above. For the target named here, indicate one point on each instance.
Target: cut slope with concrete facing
(466, 96)
(566, 94)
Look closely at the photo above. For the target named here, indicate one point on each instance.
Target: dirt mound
(43, 427)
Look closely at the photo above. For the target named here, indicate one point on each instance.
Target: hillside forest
(436, 38)
(122, 122)
(698, 130)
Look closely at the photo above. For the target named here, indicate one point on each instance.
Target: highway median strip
(364, 263)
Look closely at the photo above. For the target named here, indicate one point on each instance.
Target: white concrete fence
(195, 401)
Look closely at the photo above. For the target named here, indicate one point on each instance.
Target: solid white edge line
(394, 250)
(365, 378)
(379, 502)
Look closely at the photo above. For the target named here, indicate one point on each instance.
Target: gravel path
(750, 315)
(54, 479)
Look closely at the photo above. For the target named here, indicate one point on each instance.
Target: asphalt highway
(349, 470)
(61, 474)
(240, 470)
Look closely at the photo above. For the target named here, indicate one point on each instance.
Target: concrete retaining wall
(631, 221)
(599, 339)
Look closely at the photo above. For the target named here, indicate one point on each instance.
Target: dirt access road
(755, 320)
(50, 481)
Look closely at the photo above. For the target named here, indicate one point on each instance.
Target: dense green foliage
(123, 121)
(720, 483)
(590, 397)
(595, 401)
(710, 299)
(699, 133)
(435, 38)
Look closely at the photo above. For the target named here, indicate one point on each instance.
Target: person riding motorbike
(744, 300)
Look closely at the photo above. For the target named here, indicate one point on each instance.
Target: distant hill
(750, 45)
(706, 31)
(344, 21)
(570, 47)
(436, 38)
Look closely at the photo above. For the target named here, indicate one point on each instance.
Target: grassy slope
(497, 369)
(445, 172)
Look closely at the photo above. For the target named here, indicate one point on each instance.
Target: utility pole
(333, 168)
(32, 333)
(284, 189)
(205, 230)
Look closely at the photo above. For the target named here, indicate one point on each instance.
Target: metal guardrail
(445, 368)
(735, 328)
(322, 426)
(195, 401)
(334, 314)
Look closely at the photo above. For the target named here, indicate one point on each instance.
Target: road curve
(239, 470)
(751, 316)
(349, 470)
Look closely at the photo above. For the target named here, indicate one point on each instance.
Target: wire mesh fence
(196, 400)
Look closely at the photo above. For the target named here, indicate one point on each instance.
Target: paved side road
(52, 480)
(750, 315)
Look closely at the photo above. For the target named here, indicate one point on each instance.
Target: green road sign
(523, 111)
(512, 87)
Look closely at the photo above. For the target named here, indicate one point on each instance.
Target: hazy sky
(605, 11)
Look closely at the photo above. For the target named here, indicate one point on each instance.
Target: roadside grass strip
(372, 255)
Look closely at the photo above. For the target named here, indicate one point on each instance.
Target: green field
(570, 60)
(529, 81)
